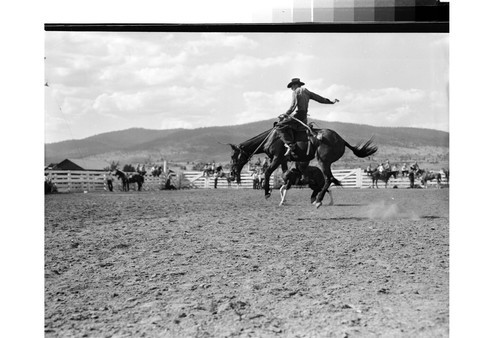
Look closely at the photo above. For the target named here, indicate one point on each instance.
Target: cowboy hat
(295, 81)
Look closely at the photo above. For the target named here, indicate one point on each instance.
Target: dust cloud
(387, 210)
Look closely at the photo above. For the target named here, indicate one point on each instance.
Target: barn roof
(81, 164)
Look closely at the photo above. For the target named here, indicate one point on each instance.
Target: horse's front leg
(283, 191)
(267, 175)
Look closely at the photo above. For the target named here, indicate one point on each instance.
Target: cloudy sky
(100, 82)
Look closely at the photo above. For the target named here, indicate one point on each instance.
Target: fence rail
(200, 181)
(80, 181)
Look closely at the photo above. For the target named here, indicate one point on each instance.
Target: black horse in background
(219, 173)
(123, 177)
(157, 171)
(313, 177)
(384, 176)
(137, 178)
(126, 179)
(324, 144)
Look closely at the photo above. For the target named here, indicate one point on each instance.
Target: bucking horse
(324, 144)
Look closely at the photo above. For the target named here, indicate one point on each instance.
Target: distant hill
(201, 145)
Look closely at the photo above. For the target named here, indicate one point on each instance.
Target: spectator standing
(404, 170)
(255, 179)
(414, 167)
(265, 165)
(109, 180)
(413, 172)
(395, 169)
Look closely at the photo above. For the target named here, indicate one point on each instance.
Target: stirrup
(288, 150)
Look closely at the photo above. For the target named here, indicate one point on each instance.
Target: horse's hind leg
(331, 197)
(327, 174)
(314, 194)
(267, 175)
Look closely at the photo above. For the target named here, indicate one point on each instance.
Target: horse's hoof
(267, 196)
(317, 204)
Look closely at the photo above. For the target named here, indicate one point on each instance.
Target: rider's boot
(290, 147)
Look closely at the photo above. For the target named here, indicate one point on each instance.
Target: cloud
(229, 40)
(174, 123)
(239, 67)
(262, 106)
(391, 107)
(200, 79)
(119, 102)
(159, 75)
(172, 100)
(377, 100)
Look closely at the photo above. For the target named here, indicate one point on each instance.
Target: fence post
(359, 178)
(69, 181)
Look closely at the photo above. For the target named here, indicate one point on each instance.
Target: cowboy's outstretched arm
(321, 99)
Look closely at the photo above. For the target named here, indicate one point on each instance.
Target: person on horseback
(380, 168)
(298, 109)
(387, 166)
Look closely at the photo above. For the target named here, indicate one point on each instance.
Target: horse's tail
(364, 150)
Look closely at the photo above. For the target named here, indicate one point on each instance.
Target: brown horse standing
(429, 176)
(327, 146)
(383, 176)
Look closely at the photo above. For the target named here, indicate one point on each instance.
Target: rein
(259, 144)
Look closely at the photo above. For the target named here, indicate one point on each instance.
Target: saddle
(306, 142)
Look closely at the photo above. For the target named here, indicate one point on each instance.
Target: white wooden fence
(200, 181)
(79, 181)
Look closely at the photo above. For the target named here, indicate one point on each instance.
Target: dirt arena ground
(226, 263)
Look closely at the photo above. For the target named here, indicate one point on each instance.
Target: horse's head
(239, 158)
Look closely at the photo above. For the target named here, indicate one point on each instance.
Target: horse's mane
(121, 173)
(256, 140)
